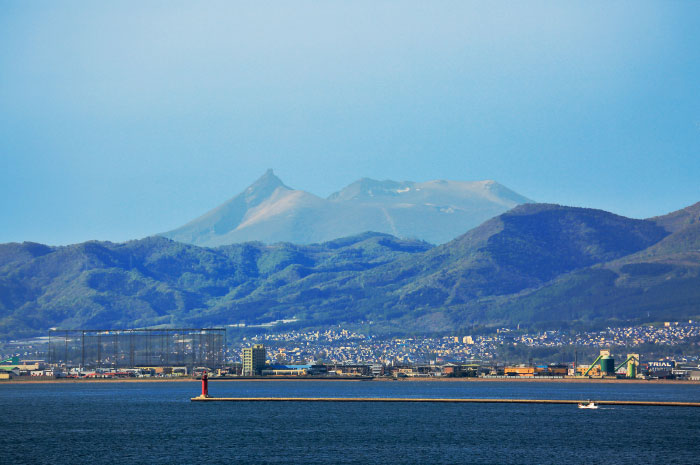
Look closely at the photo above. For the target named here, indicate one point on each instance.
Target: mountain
(538, 265)
(464, 281)
(269, 211)
(660, 282)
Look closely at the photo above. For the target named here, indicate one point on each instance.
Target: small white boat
(589, 404)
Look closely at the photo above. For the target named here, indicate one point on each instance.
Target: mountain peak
(230, 214)
(677, 220)
(263, 188)
(266, 181)
(267, 210)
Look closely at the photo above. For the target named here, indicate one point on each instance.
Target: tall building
(253, 360)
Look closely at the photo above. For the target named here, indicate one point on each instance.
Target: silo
(607, 366)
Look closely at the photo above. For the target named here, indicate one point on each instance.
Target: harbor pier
(443, 400)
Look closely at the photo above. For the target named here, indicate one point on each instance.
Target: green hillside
(661, 282)
(455, 284)
(537, 265)
(156, 281)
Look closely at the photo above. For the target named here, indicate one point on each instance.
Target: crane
(590, 367)
(607, 364)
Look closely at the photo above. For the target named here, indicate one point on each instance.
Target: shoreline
(410, 380)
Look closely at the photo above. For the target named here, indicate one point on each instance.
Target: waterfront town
(610, 353)
(342, 346)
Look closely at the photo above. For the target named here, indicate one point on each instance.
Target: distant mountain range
(537, 265)
(269, 211)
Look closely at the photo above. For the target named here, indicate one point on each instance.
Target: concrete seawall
(442, 400)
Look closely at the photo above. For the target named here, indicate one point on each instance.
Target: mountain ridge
(538, 265)
(270, 211)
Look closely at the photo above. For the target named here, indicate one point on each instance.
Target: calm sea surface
(77, 423)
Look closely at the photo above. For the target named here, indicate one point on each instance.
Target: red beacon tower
(205, 385)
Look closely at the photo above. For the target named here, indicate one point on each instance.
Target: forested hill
(156, 281)
(536, 265)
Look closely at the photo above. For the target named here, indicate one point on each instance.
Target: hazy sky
(119, 120)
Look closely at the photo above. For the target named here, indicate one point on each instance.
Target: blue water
(76, 423)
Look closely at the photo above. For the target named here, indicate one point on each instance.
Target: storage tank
(607, 366)
(632, 369)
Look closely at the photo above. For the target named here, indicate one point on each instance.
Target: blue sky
(121, 120)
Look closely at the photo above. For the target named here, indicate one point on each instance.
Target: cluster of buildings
(342, 352)
(348, 347)
(670, 334)
(255, 362)
(15, 367)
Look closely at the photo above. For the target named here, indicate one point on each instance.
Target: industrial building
(531, 371)
(294, 370)
(604, 366)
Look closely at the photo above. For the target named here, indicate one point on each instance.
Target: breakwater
(442, 400)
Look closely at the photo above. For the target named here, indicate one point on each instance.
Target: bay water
(155, 422)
